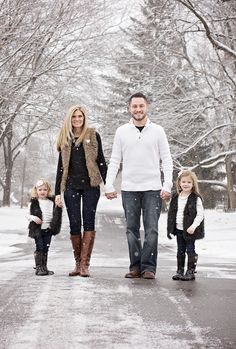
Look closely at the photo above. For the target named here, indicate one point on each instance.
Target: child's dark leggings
(183, 245)
(43, 242)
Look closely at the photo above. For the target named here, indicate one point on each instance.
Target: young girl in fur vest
(45, 221)
(186, 221)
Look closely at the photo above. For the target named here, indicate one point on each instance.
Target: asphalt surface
(107, 310)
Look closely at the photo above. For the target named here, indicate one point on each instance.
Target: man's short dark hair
(138, 95)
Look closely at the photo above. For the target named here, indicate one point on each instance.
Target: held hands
(165, 195)
(58, 201)
(112, 195)
(169, 236)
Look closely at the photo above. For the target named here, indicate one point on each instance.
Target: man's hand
(165, 195)
(112, 195)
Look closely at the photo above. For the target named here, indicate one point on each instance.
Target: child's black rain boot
(38, 256)
(45, 262)
(180, 267)
(192, 263)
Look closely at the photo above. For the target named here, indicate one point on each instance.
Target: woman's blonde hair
(192, 175)
(39, 183)
(66, 134)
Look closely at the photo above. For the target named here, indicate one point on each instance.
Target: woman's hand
(58, 201)
(112, 195)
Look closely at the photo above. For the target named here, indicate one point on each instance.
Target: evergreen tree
(153, 60)
(167, 56)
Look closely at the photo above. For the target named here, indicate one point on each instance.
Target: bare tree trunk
(7, 189)
(230, 174)
(8, 166)
(22, 201)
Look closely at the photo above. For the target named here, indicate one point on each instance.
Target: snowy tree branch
(200, 139)
(213, 158)
(214, 42)
(212, 182)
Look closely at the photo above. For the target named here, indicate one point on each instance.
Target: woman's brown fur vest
(190, 212)
(55, 224)
(90, 145)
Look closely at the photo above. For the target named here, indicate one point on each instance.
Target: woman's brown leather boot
(76, 241)
(87, 248)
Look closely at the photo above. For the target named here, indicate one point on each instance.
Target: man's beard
(140, 118)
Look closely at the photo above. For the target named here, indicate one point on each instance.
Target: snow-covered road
(107, 310)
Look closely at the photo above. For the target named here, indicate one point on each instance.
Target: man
(143, 149)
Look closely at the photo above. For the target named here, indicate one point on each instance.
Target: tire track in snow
(27, 335)
(199, 335)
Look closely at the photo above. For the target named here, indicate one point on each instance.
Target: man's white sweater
(143, 156)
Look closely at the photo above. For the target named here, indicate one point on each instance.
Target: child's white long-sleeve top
(143, 155)
(46, 207)
(180, 213)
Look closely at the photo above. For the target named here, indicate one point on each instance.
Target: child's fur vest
(190, 212)
(55, 224)
(90, 146)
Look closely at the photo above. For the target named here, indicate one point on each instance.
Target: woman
(81, 169)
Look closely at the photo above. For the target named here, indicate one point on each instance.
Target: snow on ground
(12, 219)
(218, 246)
(220, 231)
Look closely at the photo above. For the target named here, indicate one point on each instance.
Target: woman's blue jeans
(81, 214)
(148, 203)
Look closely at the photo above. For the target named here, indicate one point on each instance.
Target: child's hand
(191, 230)
(36, 219)
(58, 201)
(165, 195)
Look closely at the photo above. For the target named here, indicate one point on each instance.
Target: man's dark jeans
(148, 203)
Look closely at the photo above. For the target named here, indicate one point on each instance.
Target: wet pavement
(108, 311)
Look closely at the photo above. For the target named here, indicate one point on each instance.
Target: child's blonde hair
(39, 183)
(66, 132)
(192, 175)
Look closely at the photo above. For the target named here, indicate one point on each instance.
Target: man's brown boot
(133, 274)
(148, 275)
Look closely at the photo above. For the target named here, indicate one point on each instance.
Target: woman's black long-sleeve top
(78, 177)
